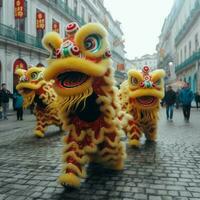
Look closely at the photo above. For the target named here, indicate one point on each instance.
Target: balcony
(120, 74)
(67, 11)
(8, 32)
(195, 56)
(195, 12)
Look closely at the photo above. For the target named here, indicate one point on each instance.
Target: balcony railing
(120, 74)
(66, 10)
(195, 12)
(18, 36)
(195, 56)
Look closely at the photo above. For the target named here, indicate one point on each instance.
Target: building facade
(150, 60)
(22, 29)
(178, 47)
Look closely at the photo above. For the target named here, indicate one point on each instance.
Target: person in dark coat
(169, 100)
(197, 99)
(186, 96)
(5, 94)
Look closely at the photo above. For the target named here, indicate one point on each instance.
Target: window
(66, 2)
(177, 58)
(181, 56)
(190, 48)
(89, 18)
(83, 13)
(185, 52)
(196, 42)
(1, 5)
(76, 7)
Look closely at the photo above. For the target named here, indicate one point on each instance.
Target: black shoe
(21, 119)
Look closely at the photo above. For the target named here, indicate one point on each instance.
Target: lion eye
(34, 75)
(93, 43)
(134, 81)
(158, 82)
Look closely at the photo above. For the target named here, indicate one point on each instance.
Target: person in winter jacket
(169, 100)
(5, 94)
(19, 105)
(186, 96)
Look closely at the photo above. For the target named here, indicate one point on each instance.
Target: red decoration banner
(19, 9)
(55, 26)
(40, 20)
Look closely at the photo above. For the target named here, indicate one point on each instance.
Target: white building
(20, 40)
(149, 60)
(179, 43)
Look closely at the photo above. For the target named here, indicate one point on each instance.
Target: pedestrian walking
(186, 96)
(197, 99)
(5, 94)
(19, 105)
(169, 100)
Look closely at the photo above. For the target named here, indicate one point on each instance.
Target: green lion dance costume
(80, 65)
(36, 90)
(140, 96)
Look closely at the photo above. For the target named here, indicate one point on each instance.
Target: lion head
(76, 62)
(30, 81)
(146, 88)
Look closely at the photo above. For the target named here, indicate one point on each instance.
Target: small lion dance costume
(88, 102)
(36, 90)
(140, 97)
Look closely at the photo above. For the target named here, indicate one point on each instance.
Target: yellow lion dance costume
(140, 96)
(80, 64)
(36, 90)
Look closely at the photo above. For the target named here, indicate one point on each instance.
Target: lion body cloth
(35, 90)
(140, 96)
(87, 99)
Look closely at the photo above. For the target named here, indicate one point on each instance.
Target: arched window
(40, 65)
(18, 64)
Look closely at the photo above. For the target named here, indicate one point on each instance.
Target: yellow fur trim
(39, 133)
(76, 64)
(69, 179)
(34, 69)
(87, 30)
(51, 40)
(20, 72)
(32, 86)
(158, 74)
(147, 92)
(75, 169)
(134, 142)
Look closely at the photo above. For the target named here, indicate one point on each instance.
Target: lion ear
(20, 72)
(51, 41)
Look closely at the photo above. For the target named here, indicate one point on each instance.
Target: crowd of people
(184, 97)
(5, 96)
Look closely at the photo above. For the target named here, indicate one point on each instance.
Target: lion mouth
(71, 79)
(147, 100)
(25, 91)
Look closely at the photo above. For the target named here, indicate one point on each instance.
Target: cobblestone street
(169, 169)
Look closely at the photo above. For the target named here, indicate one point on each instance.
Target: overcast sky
(142, 21)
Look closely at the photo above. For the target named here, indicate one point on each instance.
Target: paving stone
(186, 194)
(151, 197)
